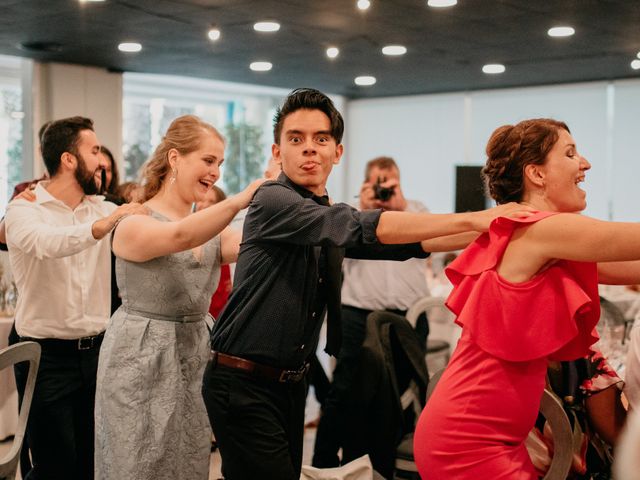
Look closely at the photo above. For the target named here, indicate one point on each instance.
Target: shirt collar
(323, 200)
(43, 195)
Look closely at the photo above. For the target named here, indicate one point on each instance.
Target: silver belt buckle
(85, 343)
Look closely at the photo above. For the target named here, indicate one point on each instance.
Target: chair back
(20, 352)
(552, 410)
(433, 381)
(442, 324)
(443, 331)
(614, 331)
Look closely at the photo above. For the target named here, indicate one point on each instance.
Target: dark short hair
(43, 129)
(513, 147)
(62, 136)
(383, 163)
(309, 99)
(115, 176)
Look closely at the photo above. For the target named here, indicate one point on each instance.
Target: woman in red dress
(525, 293)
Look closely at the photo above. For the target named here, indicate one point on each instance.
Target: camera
(382, 193)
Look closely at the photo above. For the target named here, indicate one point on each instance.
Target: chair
(443, 332)
(390, 390)
(20, 352)
(552, 410)
(614, 332)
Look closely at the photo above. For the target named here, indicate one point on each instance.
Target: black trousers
(60, 427)
(335, 420)
(258, 424)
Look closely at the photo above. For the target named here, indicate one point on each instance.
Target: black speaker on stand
(470, 195)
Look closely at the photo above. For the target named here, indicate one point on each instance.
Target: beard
(85, 178)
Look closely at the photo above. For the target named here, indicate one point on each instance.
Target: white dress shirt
(63, 274)
(385, 284)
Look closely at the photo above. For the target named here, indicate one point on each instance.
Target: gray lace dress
(150, 419)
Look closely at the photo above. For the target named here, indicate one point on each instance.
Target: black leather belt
(68, 346)
(257, 369)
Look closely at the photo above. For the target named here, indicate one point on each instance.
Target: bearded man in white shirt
(60, 258)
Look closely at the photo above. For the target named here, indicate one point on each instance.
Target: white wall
(429, 134)
(61, 90)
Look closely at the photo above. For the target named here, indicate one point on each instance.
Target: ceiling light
(638, 55)
(333, 52)
(365, 81)
(394, 50)
(91, 1)
(635, 64)
(266, 27)
(363, 4)
(260, 66)
(493, 68)
(213, 34)
(441, 3)
(561, 31)
(17, 115)
(130, 47)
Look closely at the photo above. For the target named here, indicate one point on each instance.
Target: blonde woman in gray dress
(151, 421)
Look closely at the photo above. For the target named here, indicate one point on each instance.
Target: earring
(172, 179)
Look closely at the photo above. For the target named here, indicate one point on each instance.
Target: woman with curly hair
(525, 293)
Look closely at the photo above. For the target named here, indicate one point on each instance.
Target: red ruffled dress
(487, 400)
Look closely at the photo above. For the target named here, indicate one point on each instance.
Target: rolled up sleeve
(28, 231)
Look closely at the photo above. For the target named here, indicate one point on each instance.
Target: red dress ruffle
(552, 315)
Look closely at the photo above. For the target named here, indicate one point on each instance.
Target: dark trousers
(60, 427)
(318, 379)
(335, 421)
(258, 424)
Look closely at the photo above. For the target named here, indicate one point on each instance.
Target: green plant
(244, 156)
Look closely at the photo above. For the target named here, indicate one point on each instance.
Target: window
(243, 114)
(12, 136)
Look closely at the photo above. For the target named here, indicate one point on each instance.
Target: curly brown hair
(185, 135)
(511, 148)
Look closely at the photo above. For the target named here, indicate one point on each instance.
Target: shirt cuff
(369, 220)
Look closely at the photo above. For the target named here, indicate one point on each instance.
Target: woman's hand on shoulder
(244, 197)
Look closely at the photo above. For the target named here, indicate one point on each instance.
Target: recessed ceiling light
(91, 1)
(333, 52)
(635, 64)
(561, 31)
(365, 80)
(363, 4)
(638, 55)
(441, 3)
(130, 47)
(394, 50)
(260, 66)
(493, 68)
(213, 34)
(266, 27)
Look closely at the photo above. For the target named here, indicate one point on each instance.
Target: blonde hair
(185, 135)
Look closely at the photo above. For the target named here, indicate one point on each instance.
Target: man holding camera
(368, 285)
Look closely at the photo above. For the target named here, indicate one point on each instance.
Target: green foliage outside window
(244, 157)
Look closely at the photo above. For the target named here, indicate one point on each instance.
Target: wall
(61, 90)
(429, 134)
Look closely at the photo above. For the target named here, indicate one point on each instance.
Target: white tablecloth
(8, 392)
